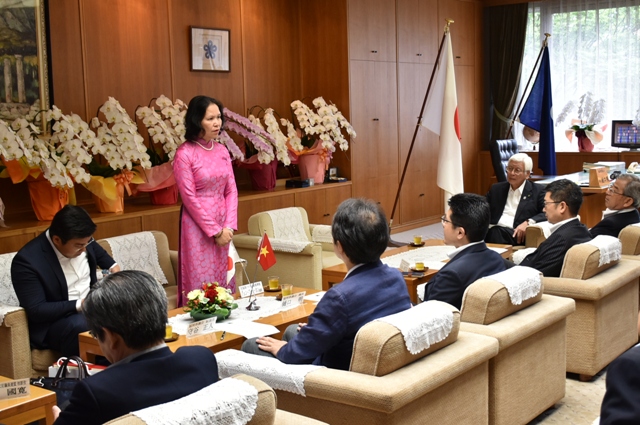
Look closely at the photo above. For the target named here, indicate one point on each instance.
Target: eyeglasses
(613, 192)
(515, 171)
(80, 247)
(551, 202)
(444, 220)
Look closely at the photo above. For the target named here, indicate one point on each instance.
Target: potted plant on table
(586, 127)
(212, 300)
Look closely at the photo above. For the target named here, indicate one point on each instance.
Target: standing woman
(203, 172)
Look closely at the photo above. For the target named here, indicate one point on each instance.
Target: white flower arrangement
(273, 128)
(325, 124)
(260, 139)
(590, 112)
(165, 126)
(636, 121)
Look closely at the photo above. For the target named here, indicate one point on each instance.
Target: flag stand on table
(443, 122)
(266, 258)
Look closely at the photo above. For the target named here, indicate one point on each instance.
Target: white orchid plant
(590, 114)
(324, 124)
(165, 126)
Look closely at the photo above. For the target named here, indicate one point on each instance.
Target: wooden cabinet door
(334, 195)
(372, 30)
(249, 207)
(418, 30)
(321, 204)
(463, 30)
(374, 117)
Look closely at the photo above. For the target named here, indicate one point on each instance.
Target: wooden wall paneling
(463, 33)
(321, 204)
(168, 222)
(248, 207)
(126, 52)
(66, 54)
(324, 61)
(13, 242)
(418, 30)
(469, 136)
(270, 42)
(113, 225)
(372, 30)
(225, 86)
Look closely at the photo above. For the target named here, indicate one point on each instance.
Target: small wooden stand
(598, 177)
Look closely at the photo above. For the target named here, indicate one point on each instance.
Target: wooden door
(372, 30)
(418, 30)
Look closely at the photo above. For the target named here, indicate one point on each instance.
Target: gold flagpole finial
(546, 37)
(449, 21)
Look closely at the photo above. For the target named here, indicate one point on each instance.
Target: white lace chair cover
(278, 375)
(227, 402)
(521, 283)
(321, 233)
(423, 325)
(546, 228)
(519, 255)
(138, 251)
(610, 248)
(8, 299)
(288, 230)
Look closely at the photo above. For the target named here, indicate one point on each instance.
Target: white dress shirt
(513, 200)
(608, 212)
(77, 274)
(558, 225)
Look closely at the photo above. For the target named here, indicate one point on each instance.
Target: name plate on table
(201, 327)
(293, 299)
(15, 388)
(245, 290)
(598, 177)
(404, 265)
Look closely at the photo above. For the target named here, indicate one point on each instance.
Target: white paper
(15, 388)
(246, 290)
(293, 300)
(314, 298)
(247, 329)
(498, 250)
(404, 265)
(202, 327)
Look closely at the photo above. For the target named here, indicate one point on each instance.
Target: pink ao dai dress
(209, 204)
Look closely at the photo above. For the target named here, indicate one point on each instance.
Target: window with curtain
(594, 47)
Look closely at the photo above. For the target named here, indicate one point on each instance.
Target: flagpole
(526, 87)
(415, 132)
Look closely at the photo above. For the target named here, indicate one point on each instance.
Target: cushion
(582, 262)
(486, 301)
(261, 222)
(379, 348)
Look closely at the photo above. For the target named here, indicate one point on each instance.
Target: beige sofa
(528, 374)
(298, 268)
(444, 384)
(265, 414)
(604, 324)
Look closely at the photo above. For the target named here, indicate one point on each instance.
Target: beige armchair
(528, 374)
(630, 239)
(604, 324)
(446, 383)
(17, 359)
(291, 232)
(265, 414)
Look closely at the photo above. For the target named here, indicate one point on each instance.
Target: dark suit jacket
(613, 224)
(371, 291)
(549, 256)
(41, 287)
(621, 403)
(531, 202)
(153, 378)
(471, 264)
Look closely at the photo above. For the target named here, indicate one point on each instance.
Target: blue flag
(537, 115)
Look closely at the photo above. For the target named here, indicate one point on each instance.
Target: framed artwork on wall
(210, 49)
(24, 59)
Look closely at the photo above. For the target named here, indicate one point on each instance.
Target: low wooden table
(335, 274)
(89, 347)
(23, 410)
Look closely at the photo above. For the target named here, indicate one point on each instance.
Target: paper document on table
(314, 298)
(432, 256)
(498, 250)
(247, 329)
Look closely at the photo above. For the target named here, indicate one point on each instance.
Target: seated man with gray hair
(515, 204)
(622, 201)
(127, 314)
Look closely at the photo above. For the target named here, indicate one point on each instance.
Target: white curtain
(594, 46)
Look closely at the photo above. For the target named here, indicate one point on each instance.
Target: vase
(111, 206)
(584, 143)
(220, 314)
(263, 176)
(166, 196)
(312, 166)
(46, 200)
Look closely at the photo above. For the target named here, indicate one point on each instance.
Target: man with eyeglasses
(52, 275)
(621, 201)
(515, 204)
(562, 201)
(464, 225)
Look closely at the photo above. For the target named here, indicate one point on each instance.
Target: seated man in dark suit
(562, 201)
(515, 204)
(621, 403)
(127, 314)
(53, 273)
(622, 201)
(369, 291)
(465, 226)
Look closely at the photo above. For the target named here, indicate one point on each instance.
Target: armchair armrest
(15, 356)
(327, 245)
(173, 256)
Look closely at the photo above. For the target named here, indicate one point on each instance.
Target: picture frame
(25, 77)
(210, 49)
(624, 134)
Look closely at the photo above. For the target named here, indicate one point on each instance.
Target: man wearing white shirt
(562, 201)
(622, 201)
(465, 225)
(514, 204)
(53, 273)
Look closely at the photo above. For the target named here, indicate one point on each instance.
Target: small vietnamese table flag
(266, 257)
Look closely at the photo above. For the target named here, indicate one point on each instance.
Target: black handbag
(60, 384)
